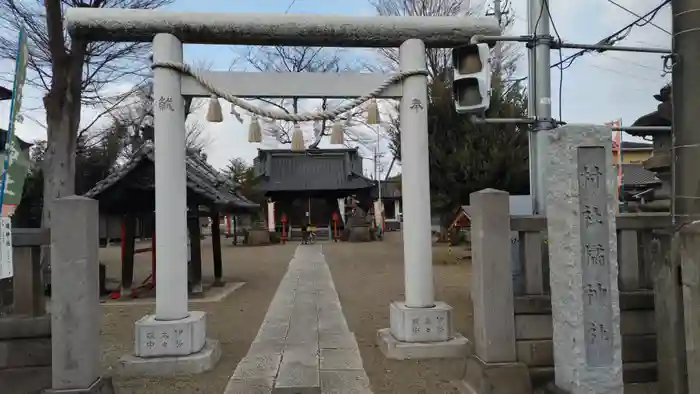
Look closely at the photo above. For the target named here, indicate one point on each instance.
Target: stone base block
(26, 352)
(494, 378)
(195, 363)
(12, 327)
(101, 386)
(161, 338)
(259, 237)
(552, 388)
(456, 347)
(359, 234)
(29, 380)
(421, 324)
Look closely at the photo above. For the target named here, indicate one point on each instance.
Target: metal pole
(686, 177)
(170, 179)
(531, 110)
(542, 98)
(418, 257)
(379, 183)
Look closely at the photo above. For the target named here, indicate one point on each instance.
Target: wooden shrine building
(129, 192)
(310, 186)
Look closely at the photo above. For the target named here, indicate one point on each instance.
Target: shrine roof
(282, 170)
(202, 179)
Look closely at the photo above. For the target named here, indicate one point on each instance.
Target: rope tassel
(254, 130)
(298, 139)
(373, 112)
(338, 133)
(214, 113)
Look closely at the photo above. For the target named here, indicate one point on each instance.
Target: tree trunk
(59, 162)
(63, 107)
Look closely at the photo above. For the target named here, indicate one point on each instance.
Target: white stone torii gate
(420, 327)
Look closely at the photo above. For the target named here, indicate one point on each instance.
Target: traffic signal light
(472, 78)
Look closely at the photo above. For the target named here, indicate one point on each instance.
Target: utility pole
(539, 98)
(686, 177)
(531, 112)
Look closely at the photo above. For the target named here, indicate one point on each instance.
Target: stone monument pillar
(76, 315)
(420, 327)
(581, 211)
(171, 341)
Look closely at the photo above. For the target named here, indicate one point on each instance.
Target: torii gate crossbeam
(131, 25)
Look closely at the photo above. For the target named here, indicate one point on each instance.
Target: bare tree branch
(438, 60)
(296, 59)
(69, 73)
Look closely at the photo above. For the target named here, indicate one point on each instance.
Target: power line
(638, 16)
(613, 38)
(621, 73)
(616, 36)
(646, 66)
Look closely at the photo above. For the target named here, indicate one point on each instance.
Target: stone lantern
(660, 162)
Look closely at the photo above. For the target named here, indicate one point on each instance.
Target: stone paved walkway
(304, 344)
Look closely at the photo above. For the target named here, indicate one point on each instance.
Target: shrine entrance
(174, 80)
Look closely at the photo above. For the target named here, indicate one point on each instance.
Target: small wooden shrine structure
(129, 192)
(310, 186)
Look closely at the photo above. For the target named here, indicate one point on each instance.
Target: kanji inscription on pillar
(165, 104)
(428, 324)
(595, 254)
(164, 340)
(420, 324)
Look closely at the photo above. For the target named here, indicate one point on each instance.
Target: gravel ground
(234, 321)
(368, 277)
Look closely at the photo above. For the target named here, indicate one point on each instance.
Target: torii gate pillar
(171, 341)
(420, 327)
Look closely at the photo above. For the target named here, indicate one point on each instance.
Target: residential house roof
(637, 175)
(202, 179)
(632, 145)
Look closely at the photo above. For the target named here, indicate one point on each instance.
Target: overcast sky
(597, 88)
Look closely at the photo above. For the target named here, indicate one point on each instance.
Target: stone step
(31, 380)
(642, 388)
(631, 373)
(631, 388)
(26, 352)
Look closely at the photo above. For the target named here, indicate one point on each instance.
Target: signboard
(16, 176)
(13, 178)
(6, 270)
(14, 170)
